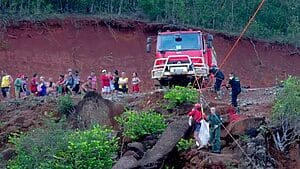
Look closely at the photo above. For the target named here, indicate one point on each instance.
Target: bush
(136, 125)
(184, 144)
(179, 95)
(36, 148)
(58, 148)
(65, 104)
(94, 148)
(285, 115)
(287, 102)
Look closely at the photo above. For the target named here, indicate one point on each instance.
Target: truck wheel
(163, 83)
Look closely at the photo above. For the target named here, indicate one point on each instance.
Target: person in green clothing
(215, 123)
(18, 85)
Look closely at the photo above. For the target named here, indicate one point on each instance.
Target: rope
(240, 147)
(240, 36)
(228, 132)
(202, 99)
(225, 59)
(243, 32)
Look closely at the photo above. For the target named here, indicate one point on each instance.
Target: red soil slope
(50, 47)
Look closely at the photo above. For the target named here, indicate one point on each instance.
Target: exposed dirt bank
(52, 46)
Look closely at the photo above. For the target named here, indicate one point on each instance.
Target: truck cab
(182, 56)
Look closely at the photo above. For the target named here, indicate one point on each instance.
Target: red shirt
(233, 116)
(33, 85)
(197, 115)
(105, 80)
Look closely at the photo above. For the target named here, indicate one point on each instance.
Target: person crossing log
(215, 123)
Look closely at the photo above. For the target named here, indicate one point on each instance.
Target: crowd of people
(69, 83)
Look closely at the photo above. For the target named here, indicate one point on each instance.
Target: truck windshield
(178, 42)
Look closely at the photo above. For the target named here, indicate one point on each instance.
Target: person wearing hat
(196, 115)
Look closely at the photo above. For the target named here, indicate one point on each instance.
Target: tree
(286, 114)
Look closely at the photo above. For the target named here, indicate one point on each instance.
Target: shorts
(106, 89)
(112, 87)
(197, 126)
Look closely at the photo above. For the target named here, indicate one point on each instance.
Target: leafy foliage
(36, 148)
(59, 148)
(287, 102)
(136, 125)
(286, 115)
(184, 144)
(93, 148)
(277, 20)
(65, 104)
(179, 95)
(244, 138)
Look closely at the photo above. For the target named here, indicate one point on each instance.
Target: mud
(51, 47)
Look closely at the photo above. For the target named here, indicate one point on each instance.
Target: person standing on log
(215, 123)
(196, 115)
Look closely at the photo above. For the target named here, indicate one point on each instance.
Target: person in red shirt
(233, 116)
(197, 115)
(34, 84)
(105, 82)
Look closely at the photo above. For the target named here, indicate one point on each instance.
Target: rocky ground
(51, 47)
(153, 152)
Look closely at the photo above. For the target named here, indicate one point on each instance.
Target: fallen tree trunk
(154, 157)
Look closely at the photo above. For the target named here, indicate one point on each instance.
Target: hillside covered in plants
(277, 21)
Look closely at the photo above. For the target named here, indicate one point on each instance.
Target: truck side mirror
(148, 46)
(209, 40)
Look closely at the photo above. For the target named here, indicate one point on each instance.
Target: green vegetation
(136, 125)
(287, 103)
(36, 149)
(93, 148)
(244, 138)
(179, 95)
(286, 115)
(55, 147)
(278, 20)
(184, 144)
(65, 104)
